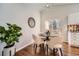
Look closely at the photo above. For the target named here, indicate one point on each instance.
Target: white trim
(24, 46)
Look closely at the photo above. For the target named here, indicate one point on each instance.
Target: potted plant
(10, 35)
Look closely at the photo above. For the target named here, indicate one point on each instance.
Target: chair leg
(35, 48)
(33, 45)
(61, 51)
(46, 49)
(54, 51)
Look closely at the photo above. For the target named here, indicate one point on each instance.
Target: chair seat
(55, 46)
(58, 46)
(38, 42)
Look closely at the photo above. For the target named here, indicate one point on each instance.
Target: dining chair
(55, 45)
(37, 42)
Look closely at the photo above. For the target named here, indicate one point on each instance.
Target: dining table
(46, 38)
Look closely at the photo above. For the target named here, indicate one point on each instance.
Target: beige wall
(59, 12)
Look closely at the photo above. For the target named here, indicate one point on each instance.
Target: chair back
(37, 39)
(34, 37)
(54, 40)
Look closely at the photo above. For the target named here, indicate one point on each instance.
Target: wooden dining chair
(55, 45)
(37, 42)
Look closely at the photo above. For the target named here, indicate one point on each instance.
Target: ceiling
(37, 6)
(41, 6)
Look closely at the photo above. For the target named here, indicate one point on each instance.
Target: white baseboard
(24, 46)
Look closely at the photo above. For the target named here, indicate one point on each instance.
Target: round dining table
(46, 39)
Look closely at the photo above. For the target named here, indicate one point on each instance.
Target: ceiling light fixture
(47, 6)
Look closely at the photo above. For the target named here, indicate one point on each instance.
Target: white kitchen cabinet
(73, 38)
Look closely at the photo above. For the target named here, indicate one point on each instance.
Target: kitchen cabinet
(73, 38)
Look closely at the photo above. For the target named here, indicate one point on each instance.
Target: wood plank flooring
(68, 51)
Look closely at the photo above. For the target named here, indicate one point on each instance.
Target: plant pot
(1, 49)
(9, 50)
(2, 45)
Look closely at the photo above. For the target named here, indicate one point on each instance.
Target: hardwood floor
(68, 51)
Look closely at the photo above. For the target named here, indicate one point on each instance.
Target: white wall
(73, 18)
(60, 12)
(18, 14)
